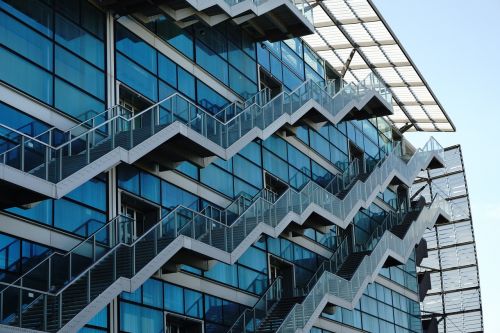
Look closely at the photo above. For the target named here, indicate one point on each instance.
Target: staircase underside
(168, 146)
(271, 20)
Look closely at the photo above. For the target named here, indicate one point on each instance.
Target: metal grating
(455, 297)
(346, 25)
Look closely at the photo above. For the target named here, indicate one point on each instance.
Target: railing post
(60, 310)
(44, 312)
(22, 153)
(20, 307)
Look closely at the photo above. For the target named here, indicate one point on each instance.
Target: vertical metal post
(22, 153)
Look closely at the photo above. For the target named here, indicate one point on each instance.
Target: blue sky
(456, 46)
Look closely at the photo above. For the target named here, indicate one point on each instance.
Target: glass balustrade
(44, 303)
(126, 131)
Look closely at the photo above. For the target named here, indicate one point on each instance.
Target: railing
(127, 258)
(58, 269)
(46, 161)
(235, 108)
(250, 319)
(349, 291)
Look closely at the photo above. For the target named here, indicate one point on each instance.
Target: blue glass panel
(165, 90)
(248, 171)
(299, 160)
(251, 281)
(186, 83)
(175, 36)
(252, 152)
(135, 318)
(193, 304)
(209, 99)
(213, 309)
(255, 259)
(242, 62)
(34, 13)
(188, 169)
(217, 179)
(275, 165)
(277, 145)
(293, 60)
(136, 77)
(135, 48)
(231, 312)
(41, 212)
(128, 178)
(172, 196)
(241, 84)
(276, 68)
(21, 121)
(150, 187)
(79, 73)
(174, 298)
(290, 79)
(100, 319)
(79, 41)
(263, 57)
(167, 70)
(14, 71)
(75, 102)
(211, 62)
(10, 252)
(152, 293)
(241, 187)
(75, 218)
(319, 144)
(223, 273)
(25, 41)
(92, 193)
(92, 19)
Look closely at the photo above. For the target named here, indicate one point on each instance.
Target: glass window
(79, 41)
(135, 48)
(92, 19)
(275, 165)
(152, 293)
(209, 99)
(34, 13)
(75, 102)
(186, 83)
(92, 193)
(15, 70)
(254, 258)
(136, 77)
(167, 70)
(25, 41)
(241, 84)
(211, 62)
(175, 36)
(128, 178)
(41, 212)
(248, 171)
(242, 62)
(77, 219)
(213, 309)
(100, 319)
(217, 179)
(251, 280)
(150, 187)
(135, 318)
(223, 273)
(80, 73)
(174, 298)
(193, 305)
(172, 196)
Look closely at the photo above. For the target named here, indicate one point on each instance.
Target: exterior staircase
(262, 19)
(100, 270)
(342, 279)
(169, 132)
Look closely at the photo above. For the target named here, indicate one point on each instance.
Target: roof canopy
(354, 38)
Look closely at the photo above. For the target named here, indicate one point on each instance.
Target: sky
(456, 46)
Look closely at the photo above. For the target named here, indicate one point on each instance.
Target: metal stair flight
(172, 131)
(128, 263)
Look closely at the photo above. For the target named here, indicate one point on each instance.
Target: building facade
(213, 166)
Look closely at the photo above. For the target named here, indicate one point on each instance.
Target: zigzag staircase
(172, 131)
(342, 279)
(346, 273)
(127, 263)
(262, 19)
